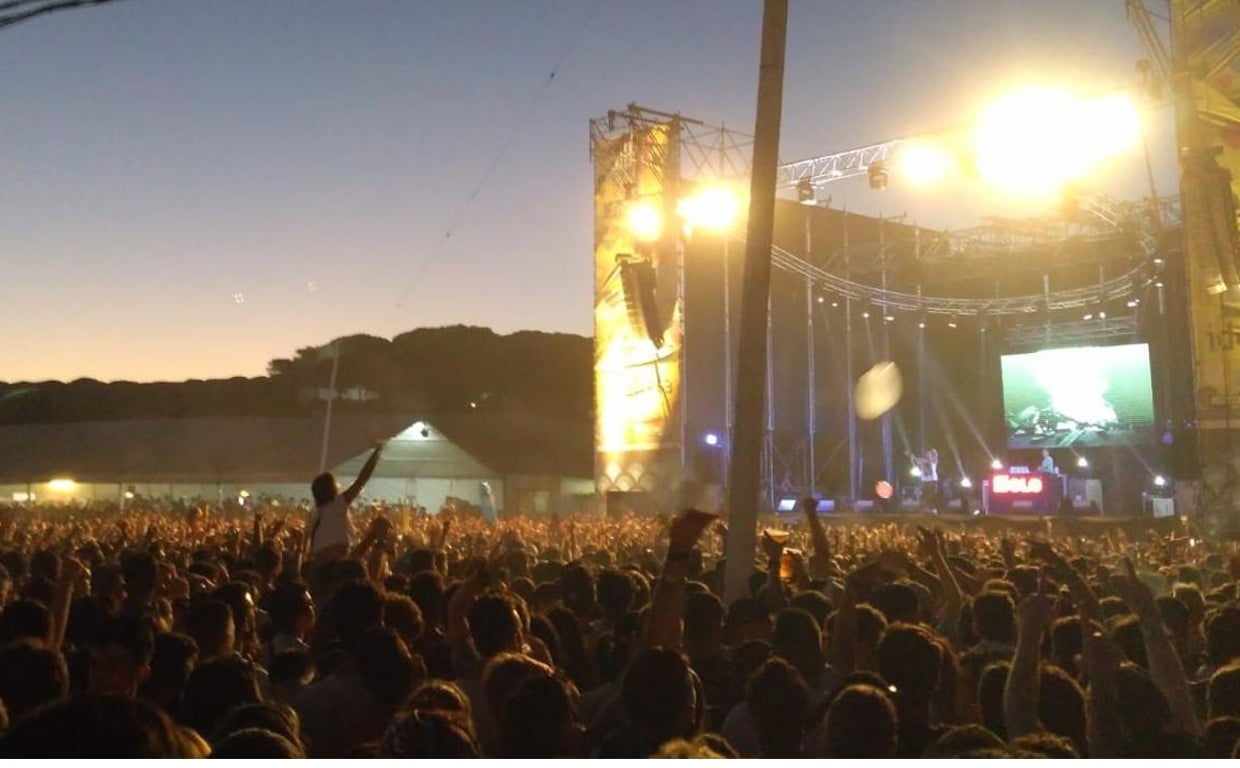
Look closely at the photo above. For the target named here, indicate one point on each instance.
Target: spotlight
(1082, 462)
(879, 176)
(889, 318)
(965, 482)
(1132, 304)
(1215, 288)
(1159, 284)
(711, 439)
(1088, 316)
(805, 192)
(951, 322)
(921, 324)
(1102, 315)
(915, 471)
(996, 464)
(865, 314)
(835, 304)
(645, 221)
(1160, 481)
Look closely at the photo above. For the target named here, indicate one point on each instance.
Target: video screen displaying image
(1080, 396)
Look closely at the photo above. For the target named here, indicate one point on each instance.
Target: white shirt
(329, 526)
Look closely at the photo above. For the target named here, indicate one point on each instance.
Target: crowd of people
(158, 631)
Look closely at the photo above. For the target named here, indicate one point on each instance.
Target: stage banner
(1206, 56)
(637, 318)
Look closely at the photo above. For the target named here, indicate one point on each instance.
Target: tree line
(424, 371)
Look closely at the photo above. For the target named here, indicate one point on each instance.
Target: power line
(459, 214)
(20, 14)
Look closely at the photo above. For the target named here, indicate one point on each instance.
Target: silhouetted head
(910, 659)
(325, 488)
(256, 744)
(861, 723)
(658, 694)
(1223, 694)
(426, 733)
(31, 675)
(94, 727)
(778, 701)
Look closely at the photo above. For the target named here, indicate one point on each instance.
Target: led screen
(1079, 396)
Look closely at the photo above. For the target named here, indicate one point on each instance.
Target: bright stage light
(922, 164)
(965, 482)
(1035, 141)
(1082, 462)
(996, 464)
(1159, 481)
(62, 485)
(711, 439)
(914, 471)
(715, 208)
(645, 221)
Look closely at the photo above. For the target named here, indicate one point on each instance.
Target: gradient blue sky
(159, 157)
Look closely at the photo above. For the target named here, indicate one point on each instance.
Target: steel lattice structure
(715, 152)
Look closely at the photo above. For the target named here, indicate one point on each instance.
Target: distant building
(532, 466)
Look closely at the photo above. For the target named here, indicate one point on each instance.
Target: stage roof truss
(715, 152)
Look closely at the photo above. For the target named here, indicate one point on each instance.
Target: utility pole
(331, 397)
(750, 372)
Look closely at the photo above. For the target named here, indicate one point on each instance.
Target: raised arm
(1086, 601)
(1103, 728)
(363, 477)
(1166, 670)
(72, 572)
(663, 629)
(773, 594)
(953, 597)
(1020, 693)
(820, 557)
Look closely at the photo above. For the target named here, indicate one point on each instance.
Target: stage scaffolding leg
(769, 467)
(854, 468)
(811, 467)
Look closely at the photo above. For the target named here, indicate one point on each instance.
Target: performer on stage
(928, 466)
(1048, 463)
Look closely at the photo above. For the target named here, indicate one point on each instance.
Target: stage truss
(716, 153)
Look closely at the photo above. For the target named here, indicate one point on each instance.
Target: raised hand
(686, 529)
(1135, 592)
(770, 547)
(1034, 614)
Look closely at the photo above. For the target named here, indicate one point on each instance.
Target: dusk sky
(189, 189)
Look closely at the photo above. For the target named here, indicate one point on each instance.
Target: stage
(1016, 525)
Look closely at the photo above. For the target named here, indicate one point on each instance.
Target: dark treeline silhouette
(428, 370)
